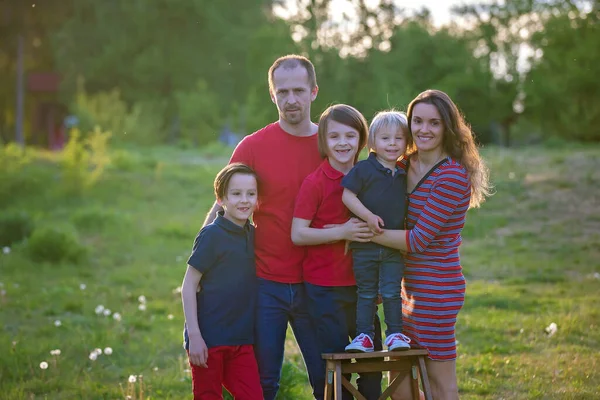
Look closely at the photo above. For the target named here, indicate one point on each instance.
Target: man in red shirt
(283, 154)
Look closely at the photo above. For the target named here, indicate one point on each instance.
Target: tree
(562, 86)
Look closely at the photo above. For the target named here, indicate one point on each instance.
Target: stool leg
(425, 379)
(329, 371)
(338, 380)
(414, 380)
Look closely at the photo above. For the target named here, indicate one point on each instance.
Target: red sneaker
(361, 344)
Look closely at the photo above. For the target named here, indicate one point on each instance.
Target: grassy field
(531, 256)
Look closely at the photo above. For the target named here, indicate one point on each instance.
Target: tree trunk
(19, 136)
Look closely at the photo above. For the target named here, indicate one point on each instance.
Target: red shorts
(233, 367)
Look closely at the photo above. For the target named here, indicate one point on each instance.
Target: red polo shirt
(320, 201)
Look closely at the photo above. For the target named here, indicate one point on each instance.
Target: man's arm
(212, 214)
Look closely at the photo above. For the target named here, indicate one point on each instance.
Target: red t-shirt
(320, 201)
(282, 161)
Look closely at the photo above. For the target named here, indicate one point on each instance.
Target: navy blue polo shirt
(381, 192)
(224, 253)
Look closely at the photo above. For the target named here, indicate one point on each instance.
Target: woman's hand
(198, 353)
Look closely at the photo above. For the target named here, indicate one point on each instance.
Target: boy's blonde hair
(390, 119)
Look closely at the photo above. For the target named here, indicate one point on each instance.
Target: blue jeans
(378, 271)
(277, 305)
(333, 310)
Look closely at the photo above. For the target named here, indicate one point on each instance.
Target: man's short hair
(292, 61)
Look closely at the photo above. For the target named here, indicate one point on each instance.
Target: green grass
(531, 256)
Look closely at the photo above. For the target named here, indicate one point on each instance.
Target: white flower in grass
(142, 307)
(132, 379)
(98, 350)
(44, 365)
(6, 250)
(57, 322)
(82, 286)
(142, 299)
(170, 316)
(55, 352)
(551, 329)
(117, 316)
(108, 351)
(155, 369)
(106, 312)
(177, 290)
(99, 309)
(93, 356)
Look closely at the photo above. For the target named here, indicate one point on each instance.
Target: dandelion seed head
(511, 175)
(98, 350)
(44, 365)
(6, 250)
(142, 307)
(170, 316)
(82, 286)
(93, 356)
(107, 312)
(57, 322)
(55, 352)
(99, 309)
(155, 369)
(108, 351)
(551, 329)
(142, 299)
(117, 316)
(132, 379)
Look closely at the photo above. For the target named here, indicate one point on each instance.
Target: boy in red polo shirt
(327, 269)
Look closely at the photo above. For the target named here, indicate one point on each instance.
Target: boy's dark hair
(347, 115)
(224, 176)
(292, 61)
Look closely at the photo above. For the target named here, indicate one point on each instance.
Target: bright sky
(440, 9)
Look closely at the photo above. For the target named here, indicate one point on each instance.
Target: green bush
(94, 219)
(123, 160)
(20, 176)
(53, 245)
(14, 227)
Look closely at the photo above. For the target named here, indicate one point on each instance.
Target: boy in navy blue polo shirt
(219, 293)
(375, 191)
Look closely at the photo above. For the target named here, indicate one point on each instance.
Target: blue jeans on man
(277, 305)
(378, 270)
(334, 312)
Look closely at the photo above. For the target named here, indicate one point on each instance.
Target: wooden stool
(409, 361)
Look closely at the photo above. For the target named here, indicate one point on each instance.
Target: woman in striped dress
(446, 176)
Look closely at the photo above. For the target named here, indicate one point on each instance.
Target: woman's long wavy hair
(458, 142)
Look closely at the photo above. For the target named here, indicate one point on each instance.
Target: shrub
(53, 245)
(84, 161)
(93, 219)
(14, 227)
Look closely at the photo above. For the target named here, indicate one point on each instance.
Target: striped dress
(433, 289)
